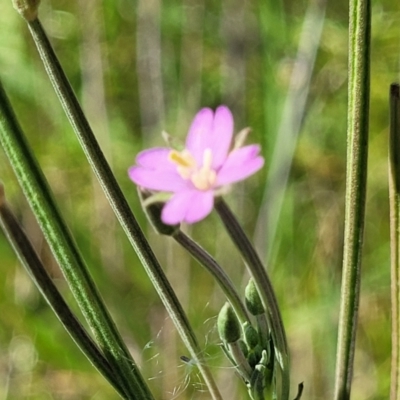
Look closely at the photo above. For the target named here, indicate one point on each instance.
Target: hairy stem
(357, 154)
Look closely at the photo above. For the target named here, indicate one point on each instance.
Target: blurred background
(145, 66)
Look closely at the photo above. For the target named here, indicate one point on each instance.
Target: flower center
(203, 178)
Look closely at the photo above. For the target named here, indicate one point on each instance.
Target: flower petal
(221, 135)
(201, 205)
(240, 164)
(187, 206)
(211, 131)
(174, 210)
(155, 158)
(199, 130)
(165, 181)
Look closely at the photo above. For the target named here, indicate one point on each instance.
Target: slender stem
(117, 200)
(265, 290)
(39, 196)
(394, 193)
(211, 265)
(242, 364)
(357, 154)
(35, 268)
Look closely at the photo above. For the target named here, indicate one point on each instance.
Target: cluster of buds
(249, 348)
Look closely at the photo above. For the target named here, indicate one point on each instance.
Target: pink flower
(196, 174)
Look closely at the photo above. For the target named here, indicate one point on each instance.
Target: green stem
(266, 292)
(117, 200)
(357, 154)
(36, 270)
(394, 193)
(216, 271)
(39, 196)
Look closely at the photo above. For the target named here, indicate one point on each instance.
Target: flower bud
(254, 356)
(250, 335)
(253, 300)
(28, 9)
(228, 325)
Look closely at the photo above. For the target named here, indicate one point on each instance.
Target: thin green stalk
(266, 293)
(394, 194)
(41, 201)
(211, 265)
(117, 200)
(36, 270)
(357, 154)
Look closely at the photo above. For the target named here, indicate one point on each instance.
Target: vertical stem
(357, 154)
(394, 193)
(267, 295)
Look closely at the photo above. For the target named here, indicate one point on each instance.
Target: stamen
(184, 161)
(202, 178)
(181, 159)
